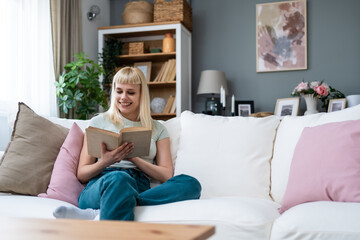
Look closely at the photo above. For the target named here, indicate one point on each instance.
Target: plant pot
(311, 104)
(138, 12)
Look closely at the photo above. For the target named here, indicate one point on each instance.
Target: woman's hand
(89, 167)
(163, 170)
(116, 155)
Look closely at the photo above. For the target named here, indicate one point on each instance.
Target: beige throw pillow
(29, 158)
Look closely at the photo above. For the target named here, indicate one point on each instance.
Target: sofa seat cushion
(234, 217)
(320, 221)
(12, 205)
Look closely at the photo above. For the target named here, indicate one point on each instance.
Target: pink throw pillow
(64, 184)
(325, 165)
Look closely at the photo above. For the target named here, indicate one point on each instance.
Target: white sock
(76, 213)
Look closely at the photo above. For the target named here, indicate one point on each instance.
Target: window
(27, 72)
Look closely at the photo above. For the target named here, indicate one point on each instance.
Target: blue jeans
(117, 191)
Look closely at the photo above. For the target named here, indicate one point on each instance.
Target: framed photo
(281, 36)
(244, 108)
(145, 67)
(336, 104)
(287, 107)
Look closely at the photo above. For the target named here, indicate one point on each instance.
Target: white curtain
(27, 72)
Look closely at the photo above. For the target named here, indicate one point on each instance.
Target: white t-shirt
(159, 132)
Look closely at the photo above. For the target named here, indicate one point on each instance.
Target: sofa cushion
(173, 128)
(29, 158)
(68, 123)
(64, 184)
(233, 217)
(12, 205)
(230, 156)
(320, 221)
(287, 136)
(326, 165)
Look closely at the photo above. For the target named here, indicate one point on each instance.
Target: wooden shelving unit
(152, 34)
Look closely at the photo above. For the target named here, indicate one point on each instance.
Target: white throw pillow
(230, 156)
(173, 128)
(288, 134)
(83, 124)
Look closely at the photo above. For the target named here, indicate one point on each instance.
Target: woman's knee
(192, 183)
(117, 178)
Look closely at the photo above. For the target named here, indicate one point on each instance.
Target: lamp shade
(211, 82)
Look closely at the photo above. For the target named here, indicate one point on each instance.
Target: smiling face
(127, 98)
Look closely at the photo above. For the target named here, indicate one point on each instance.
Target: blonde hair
(131, 75)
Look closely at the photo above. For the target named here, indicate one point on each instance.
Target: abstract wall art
(281, 36)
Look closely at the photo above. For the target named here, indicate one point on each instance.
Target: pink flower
(321, 90)
(302, 86)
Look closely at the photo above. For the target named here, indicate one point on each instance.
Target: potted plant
(112, 49)
(78, 89)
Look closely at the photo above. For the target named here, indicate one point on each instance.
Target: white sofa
(243, 165)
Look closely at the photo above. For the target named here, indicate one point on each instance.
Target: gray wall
(90, 28)
(224, 39)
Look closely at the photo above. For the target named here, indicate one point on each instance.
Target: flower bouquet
(319, 90)
(316, 88)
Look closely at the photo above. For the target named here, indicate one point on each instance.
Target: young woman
(116, 184)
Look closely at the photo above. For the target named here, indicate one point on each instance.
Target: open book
(140, 136)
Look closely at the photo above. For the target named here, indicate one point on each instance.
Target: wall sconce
(93, 12)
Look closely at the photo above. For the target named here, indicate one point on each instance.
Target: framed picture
(281, 36)
(244, 108)
(145, 67)
(287, 107)
(336, 104)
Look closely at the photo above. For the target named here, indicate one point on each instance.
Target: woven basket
(136, 48)
(173, 10)
(138, 12)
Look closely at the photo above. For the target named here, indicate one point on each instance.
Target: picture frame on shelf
(336, 104)
(244, 108)
(281, 36)
(145, 67)
(287, 107)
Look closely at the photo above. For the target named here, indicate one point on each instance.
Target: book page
(141, 140)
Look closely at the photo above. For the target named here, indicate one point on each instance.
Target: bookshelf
(151, 34)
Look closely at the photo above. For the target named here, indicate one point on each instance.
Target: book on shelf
(161, 72)
(140, 136)
(172, 74)
(167, 71)
(169, 104)
(173, 107)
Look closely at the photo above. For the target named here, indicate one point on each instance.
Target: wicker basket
(138, 12)
(136, 48)
(173, 10)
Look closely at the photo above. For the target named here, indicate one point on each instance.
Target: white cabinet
(152, 34)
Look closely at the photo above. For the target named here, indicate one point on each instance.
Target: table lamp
(210, 84)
